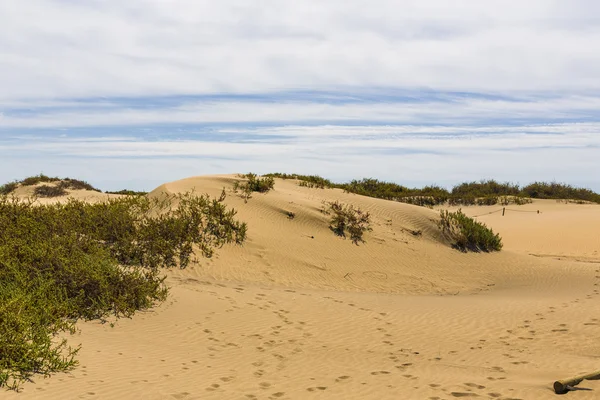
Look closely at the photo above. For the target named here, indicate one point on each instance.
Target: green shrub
(253, 184)
(41, 178)
(347, 220)
(468, 234)
(485, 189)
(64, 262)
(553, 190)
(485, 192)
(76, 184)
(8, 188)
(49, 191)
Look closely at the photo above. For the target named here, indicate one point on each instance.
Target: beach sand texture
(299, 313)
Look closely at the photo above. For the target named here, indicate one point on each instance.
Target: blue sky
(134, 94)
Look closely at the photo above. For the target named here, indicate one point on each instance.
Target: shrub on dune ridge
(484, 192)
(253, 184)
(34, 180)
(562, 191)
(8, 188)
(311, 181)
(468, 234)
(64, 262)
(62, 183)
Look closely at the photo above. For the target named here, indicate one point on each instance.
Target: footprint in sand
(380, 373)
(474, 385)
(464, 394)
(213, 387)
(314, 389)
(342, 378)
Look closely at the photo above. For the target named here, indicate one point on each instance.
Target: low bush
(8, 188)
(41, 178)
(49, 191)
(64, 262)
(348, 221)
(468, 234)
(252, 184)
(76, 184)
(554, 190)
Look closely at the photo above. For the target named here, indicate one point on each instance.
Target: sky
(132, 94)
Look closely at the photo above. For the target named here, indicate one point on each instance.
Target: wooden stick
(563, 386)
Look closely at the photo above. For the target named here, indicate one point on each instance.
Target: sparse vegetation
(64, 262)
(76, 184)
(485, 193)
(41, 178)
(468, 234)
(348, 221)
(8, 188)
(311, 181)
(49, 191)
(60, 183)
(252, 184)
(553, 190)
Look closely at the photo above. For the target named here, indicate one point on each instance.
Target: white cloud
(61, 49)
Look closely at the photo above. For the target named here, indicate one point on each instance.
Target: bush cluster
(8, 188)
(48, 190)
(348, 221)
(64, 262)
(252, 184)
(468, 234)
(553, 190)
(485, 192)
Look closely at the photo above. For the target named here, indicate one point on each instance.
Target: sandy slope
(298, 313)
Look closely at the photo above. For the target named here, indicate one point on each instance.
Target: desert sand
(298, 313)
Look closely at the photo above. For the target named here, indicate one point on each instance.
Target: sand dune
(298, 313)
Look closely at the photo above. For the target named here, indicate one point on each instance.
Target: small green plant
(252, 184)
(468, 234)
(49, 191)
(348, 221)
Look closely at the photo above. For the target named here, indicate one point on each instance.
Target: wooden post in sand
(503, 209)
(563, 386)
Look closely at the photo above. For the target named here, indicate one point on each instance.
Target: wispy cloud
(415, 91)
